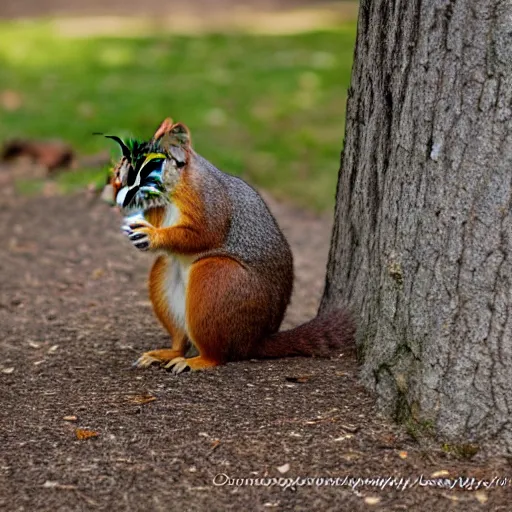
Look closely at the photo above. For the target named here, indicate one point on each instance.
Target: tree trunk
(421, 246)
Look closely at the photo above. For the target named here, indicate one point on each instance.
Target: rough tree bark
(422, 242)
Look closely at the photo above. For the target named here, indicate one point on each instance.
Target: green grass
(268, 108)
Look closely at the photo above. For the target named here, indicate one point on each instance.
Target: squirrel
(223, 275)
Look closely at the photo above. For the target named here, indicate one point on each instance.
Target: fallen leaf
(451, 497)
(85, 434)
(284, 468)
(28, 248)
(320, 419)
(70, 418)
(342, 438)
(402, 454)
(49, 484)
(481, 496)
(301, 380)
(8, 370)
(141, 399)
(350, 456)
(97, 273)
(215, 445)
(52, 349)
(441, 472)
(350, 428)
(372, 500)
(55, 485)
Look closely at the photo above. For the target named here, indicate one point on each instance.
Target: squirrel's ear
(176, 143)
(178, 135)
(181, 134)
(175, 133)
(164, 127)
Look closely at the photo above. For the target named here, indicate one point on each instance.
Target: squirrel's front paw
(139, 234)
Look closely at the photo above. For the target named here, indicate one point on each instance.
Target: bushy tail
(320, 337)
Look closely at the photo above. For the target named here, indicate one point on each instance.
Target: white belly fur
(176, 279)
(176, 289)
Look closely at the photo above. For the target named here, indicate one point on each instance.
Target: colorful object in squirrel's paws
(141, 169)
(147, 185)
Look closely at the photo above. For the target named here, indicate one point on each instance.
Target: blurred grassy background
(269, 108)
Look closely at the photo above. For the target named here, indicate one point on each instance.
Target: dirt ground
(74, 315)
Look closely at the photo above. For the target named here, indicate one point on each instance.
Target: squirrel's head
(148, 172)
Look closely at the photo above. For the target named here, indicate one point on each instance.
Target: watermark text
(381, 482)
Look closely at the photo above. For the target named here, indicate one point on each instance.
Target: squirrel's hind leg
(180, 342)
(227, 311)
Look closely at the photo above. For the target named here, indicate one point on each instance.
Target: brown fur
(227, 310)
